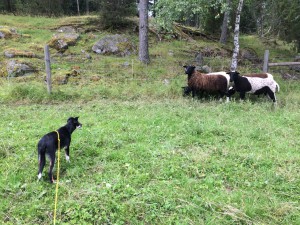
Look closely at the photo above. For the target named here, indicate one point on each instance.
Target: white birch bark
(236, 49)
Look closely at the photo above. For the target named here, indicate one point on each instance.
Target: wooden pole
(284, 64)
(48, 68)
(266, 61)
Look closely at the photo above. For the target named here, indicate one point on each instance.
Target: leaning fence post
(48, 68)
(266, 61)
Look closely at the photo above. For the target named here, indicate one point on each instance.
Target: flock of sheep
(226, 84)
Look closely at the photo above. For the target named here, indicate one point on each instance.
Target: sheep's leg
(242, 95)
(193, 93)
(229, 93)
(227, 97)
(221, 94)
(271, 95)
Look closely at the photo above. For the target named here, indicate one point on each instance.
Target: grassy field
(145, 154)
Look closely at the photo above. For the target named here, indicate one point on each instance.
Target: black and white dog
(49, 144)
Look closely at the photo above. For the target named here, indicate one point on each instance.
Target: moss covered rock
(114, 45)
(7, 32)
(16, 68)
(65, 37)
(11, 53)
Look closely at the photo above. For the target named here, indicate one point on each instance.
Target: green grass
(145, 154)
(155, 162)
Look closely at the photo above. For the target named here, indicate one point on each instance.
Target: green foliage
(114, 13)
(169, 11)
(289, 22)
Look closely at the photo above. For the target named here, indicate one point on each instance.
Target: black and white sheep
(199, 83)
(255, 85)
(261, 75)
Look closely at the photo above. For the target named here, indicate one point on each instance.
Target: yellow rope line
(57, 179)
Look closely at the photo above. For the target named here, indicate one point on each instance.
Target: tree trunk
(87, 7)
(78, 8)
(262, 21)
(224, 28)
(234, 60)
(9, 9)
(143, 32)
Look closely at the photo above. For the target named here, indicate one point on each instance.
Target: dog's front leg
(67, 154)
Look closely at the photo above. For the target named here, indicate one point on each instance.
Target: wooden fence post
(48, 68)
(266, 61)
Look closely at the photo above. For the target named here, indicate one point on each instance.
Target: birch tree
(236, 49)
(143, 32)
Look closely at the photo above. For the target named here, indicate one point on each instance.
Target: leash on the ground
(57, 178)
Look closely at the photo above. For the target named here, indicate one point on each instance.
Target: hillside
(145, 154)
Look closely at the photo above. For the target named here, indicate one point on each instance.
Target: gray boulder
(66, 36)
(204, 69)
(11, 53)
(114, 45)
(66, 30)
(7, 32)
(16, 69)
(199, 59)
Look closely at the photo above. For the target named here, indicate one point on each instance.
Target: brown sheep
(199, 83)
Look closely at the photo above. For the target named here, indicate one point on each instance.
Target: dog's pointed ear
(77, 117)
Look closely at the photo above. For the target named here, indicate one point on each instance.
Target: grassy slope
(146, 155)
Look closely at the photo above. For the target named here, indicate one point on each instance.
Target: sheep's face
(189, 70)
(233, 75)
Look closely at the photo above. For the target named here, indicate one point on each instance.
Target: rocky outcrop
(7, 32)
(65, 37)
(114, 45)
(11, 53)
(15, 68)
(249, 55)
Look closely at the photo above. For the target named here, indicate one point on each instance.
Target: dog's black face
(74, 121)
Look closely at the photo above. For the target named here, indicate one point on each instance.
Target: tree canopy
(262, 17)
